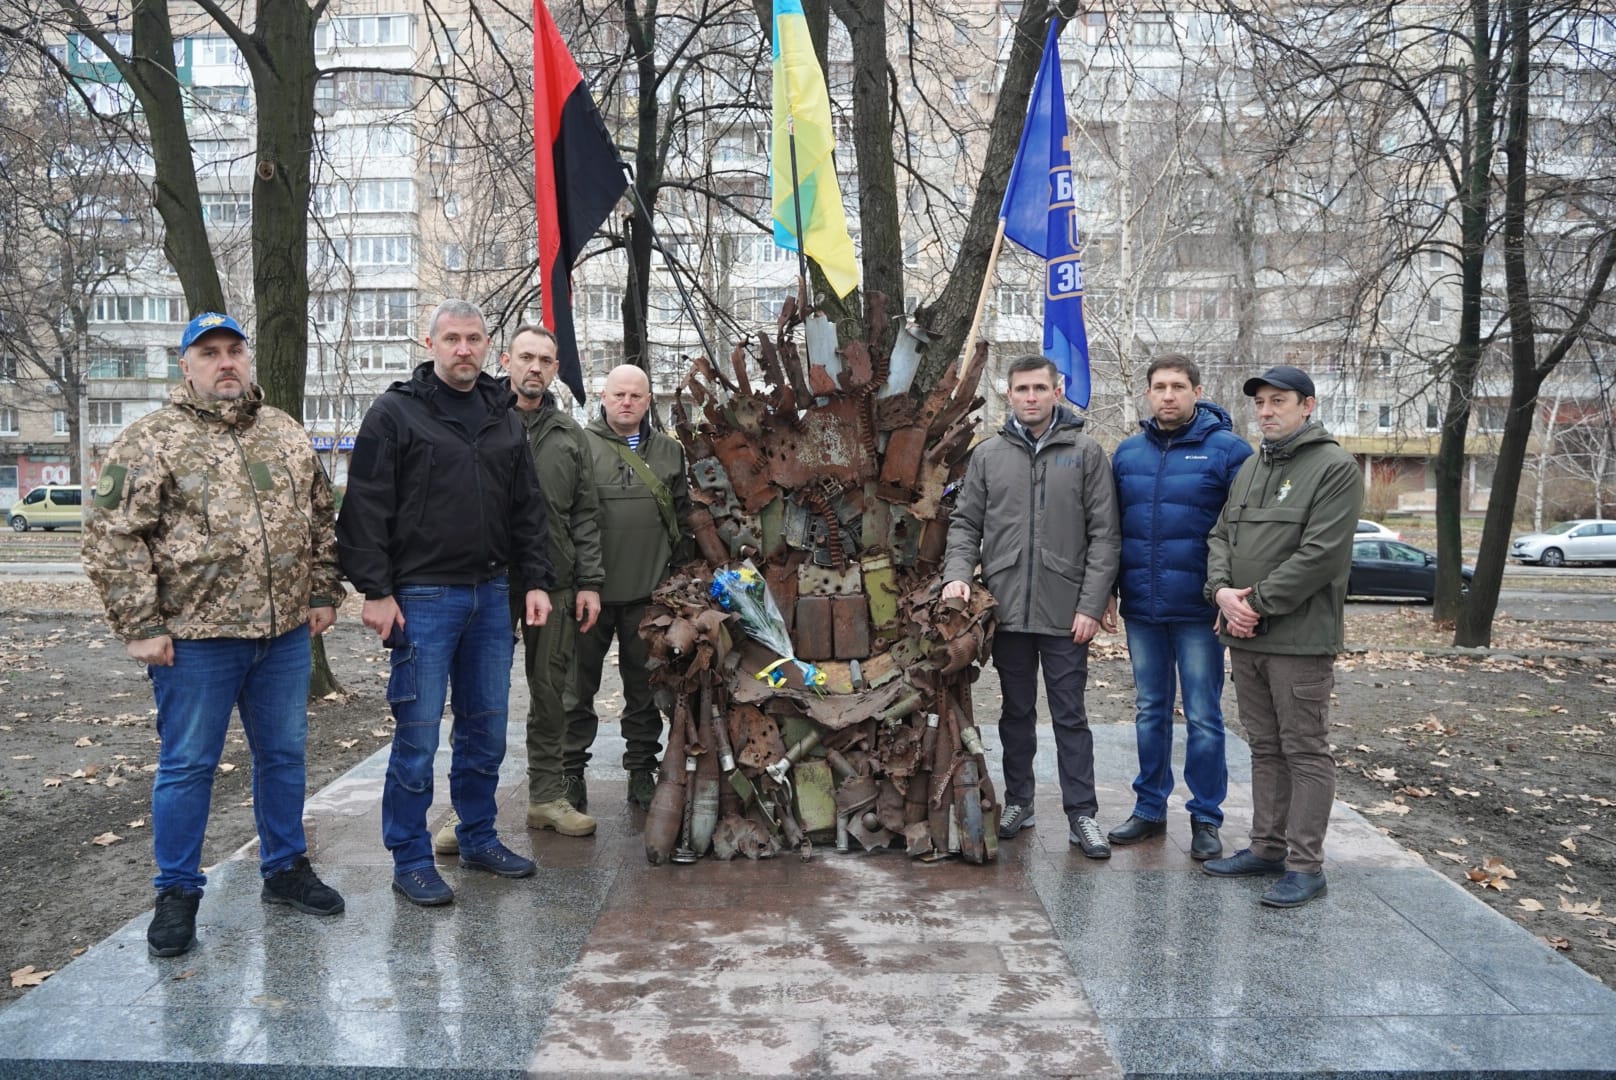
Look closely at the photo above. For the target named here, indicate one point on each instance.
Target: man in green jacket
(1277, 569)
(1038, 510)
(639, 476)
(561, 461)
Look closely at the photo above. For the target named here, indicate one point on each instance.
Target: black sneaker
(574, 791)
(1015, 818)
(641, 786)
(1086, 834)
(173, 926)
(299, 887)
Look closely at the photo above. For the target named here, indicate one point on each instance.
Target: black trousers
(1017, 657)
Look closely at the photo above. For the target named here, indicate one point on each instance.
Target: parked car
(1582, 540)
(1374, 530)
(48, 507)
(1395, 569)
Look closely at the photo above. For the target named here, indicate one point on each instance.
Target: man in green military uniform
(561, 460)
(212, 544)
(639, 476)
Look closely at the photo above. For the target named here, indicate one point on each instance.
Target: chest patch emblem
(1284, 491)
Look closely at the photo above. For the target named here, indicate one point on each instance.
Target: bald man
(645, 530)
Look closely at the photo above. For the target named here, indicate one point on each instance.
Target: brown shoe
(558, 814)
(444, 841)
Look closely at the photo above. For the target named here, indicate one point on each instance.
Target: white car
(1583, 540)
(1374, 530)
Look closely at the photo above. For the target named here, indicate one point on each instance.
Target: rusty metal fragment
(826, 478)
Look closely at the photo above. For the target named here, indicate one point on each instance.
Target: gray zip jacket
(1043, 521)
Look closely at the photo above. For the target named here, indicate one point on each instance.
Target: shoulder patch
(110, 486)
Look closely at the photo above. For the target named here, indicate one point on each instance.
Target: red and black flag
(577, 180)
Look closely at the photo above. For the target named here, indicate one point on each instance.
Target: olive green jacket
(637, 551)
(1286, 531)
(213, 519)
(561, 460)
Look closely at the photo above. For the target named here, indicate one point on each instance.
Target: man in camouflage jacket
(211, 540)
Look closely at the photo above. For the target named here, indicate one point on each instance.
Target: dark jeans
(455, 646)
(1166, 656)
(642, 722)
(1066, 672)
(267, 680)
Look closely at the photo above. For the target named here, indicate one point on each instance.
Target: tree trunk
(1474, 224)
(1474, 626)
(174, 191)
(949, 319)
(881, 258)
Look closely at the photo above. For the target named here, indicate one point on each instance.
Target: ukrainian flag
(802, 107)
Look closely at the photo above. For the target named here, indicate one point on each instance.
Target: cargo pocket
(401, 682)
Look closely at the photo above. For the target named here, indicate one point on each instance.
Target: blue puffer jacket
(1171, 487)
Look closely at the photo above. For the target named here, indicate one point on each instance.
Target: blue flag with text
(1040, 214)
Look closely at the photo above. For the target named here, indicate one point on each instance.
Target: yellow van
(49, 506)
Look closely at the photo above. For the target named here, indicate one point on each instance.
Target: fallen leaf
(1416, 792)
(1451, 856)
(106, 839)
(1536, 792)
(28, 976)
(1555, 941)
(225, 766)
(84, 740)
(1558, 859)
(188, 973)
(1495, 865)
(1570, 844)
(53, 781)
(1387, 807)
(1461, 792)
(114, 780)
(1531, 905)
(1385, 775)
(22, 757)
(347, 744)
(138, 823)
(1581, 910)
(380, 733)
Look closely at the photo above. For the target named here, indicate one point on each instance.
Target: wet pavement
(1043, 964)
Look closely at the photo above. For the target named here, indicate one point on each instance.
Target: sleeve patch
(110, 486)
(367, 457)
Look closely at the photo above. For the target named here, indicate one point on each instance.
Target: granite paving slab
(1043, 964)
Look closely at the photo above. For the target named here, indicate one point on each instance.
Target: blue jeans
(1193, 649)
(267, 679)
(459, 638)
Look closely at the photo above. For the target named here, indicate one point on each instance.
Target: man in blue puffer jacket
(1172, 480)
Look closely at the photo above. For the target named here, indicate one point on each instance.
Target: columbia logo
(1197, 457)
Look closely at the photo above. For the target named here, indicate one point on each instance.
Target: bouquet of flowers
(742, 590)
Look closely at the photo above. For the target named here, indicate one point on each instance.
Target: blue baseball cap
(207, 322)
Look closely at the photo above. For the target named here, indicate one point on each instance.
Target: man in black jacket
(441, 500)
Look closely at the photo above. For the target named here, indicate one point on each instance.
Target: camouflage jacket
(212, 519)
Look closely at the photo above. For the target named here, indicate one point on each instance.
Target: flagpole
(982, 299)
(796, 209)
(656, 242)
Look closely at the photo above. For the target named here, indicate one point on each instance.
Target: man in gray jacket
(1277, 566)
(1050, 560)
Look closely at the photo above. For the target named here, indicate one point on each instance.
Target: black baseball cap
(1285, 377)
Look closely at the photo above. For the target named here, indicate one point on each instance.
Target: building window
(1433, 417)
(59, 422)
(1433, 310)
(962, 91)
(1433, 259)
(1439, 92)
(364, 30)
(106, 413)
(8, 420)
(454, 256)
(215, 50)
(228, 208)
(8, 367)
(1383, 418)
(127, 364)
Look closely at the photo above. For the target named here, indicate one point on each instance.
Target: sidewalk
(1044, 964)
